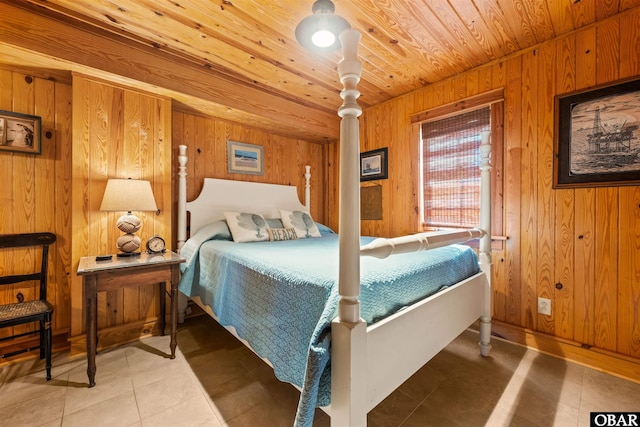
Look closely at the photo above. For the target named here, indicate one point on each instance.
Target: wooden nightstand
(117, 273)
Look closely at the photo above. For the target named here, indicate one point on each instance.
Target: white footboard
(401, 344)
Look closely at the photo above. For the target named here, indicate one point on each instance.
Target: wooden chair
(37, 310)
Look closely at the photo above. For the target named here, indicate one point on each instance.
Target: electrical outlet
(544, 306)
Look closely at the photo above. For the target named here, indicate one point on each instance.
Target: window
(451, 169)
(450, 162)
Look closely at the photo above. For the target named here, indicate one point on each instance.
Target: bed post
(182, 219)
(349, 331)
(485, 241)
(182, 195)
(307, 187)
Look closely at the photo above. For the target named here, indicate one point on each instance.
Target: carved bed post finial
(182, 219)
(485, 193)
(307, 187)
(182, 195)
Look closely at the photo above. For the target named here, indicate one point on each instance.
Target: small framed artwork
(245, 158)
(597, 136)
(373, 165)
(21, 133)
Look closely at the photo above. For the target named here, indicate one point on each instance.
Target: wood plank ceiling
(246, 49)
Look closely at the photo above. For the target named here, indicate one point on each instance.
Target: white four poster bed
(367, 361)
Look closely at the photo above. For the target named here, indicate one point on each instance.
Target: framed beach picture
(20, 133)
(597, 136)
(245, 158)
(373, 165)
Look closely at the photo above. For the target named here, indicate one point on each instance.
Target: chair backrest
(26, 240)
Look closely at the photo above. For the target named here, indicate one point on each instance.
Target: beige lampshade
(126, 195)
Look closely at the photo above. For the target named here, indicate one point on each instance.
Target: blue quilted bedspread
(280, 296)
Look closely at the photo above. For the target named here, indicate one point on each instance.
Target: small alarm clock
(156, 245)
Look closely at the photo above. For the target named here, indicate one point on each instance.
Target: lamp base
(127, 254)
(128, 243)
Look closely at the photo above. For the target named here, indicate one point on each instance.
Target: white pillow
(247, 226)
(301, 221)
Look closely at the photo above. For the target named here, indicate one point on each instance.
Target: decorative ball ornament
(129, 223)
(128, 242)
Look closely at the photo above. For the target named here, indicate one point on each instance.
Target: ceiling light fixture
(319, 32)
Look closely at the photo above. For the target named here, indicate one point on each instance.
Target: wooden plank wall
(36, 189)
(117, 133)
(284, 158)
(587, 239)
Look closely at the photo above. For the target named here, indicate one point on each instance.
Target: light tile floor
(215, 381)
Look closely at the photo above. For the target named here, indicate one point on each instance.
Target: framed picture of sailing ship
(373, 164)
(597, 136)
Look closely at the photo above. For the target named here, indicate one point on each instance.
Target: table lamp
(128, 195)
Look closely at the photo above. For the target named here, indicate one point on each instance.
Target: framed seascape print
(245, 158)
(597, 136)
(373, 165)
(20, 132)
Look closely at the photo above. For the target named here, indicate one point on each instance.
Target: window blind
(451, 168)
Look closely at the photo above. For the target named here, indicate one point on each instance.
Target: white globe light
(323, 38)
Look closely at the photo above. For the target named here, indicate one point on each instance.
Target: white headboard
(222, 195)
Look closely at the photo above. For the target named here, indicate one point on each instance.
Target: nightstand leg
(175, 276)
(163, 307)
(91, 291)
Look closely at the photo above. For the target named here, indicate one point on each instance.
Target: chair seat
(10, 312)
